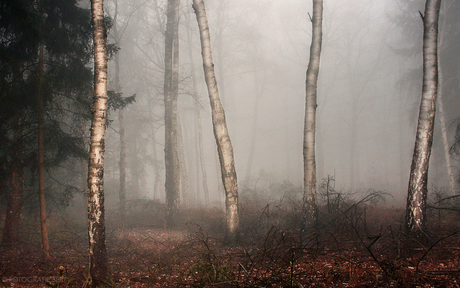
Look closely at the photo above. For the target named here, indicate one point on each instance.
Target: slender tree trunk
(224, 145)
(41, 168)
(156, 167)
(12, 228)
(353, 137)
(417, 191)
(121, 122)
(186, 195)
(198, 120)
(442, 117)
(122, 164)
(172, 182)
(136, 170)
(255, 114)
(310, 209)
(96, 214)
(445, 140)
(201, 150)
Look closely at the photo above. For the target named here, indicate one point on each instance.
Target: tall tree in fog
(121, 119)
(442, 82)
(96, 213)
(224, 145)
(172, 181)
(43, 67)
(41, 165)
(417, 193)
(197, 106)
(310, 209)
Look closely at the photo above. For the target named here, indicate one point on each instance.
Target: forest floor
(362, 246)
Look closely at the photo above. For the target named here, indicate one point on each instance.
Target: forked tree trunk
(417, 191)
(96, 214)
(41, 167)
(172, 181)
(310, 209)
(11, 230)
(224, 145)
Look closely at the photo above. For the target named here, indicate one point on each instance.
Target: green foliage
(117, 101)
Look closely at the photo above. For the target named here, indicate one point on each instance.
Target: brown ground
(358, 247)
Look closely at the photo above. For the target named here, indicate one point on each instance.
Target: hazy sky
(261, 60)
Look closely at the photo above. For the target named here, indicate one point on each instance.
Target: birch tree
(417, 192)
(224, 145)
(310, 209)
(96, 217)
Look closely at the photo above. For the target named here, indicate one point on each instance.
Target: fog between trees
(366, 112)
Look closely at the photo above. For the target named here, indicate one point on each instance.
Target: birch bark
(417, 191)
(310, 209)
(96, 213)
(224, 145)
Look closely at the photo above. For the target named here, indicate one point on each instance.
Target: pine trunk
(417, 191)
(224, 145)
(41, 168)
(310, 209)
(96, 214)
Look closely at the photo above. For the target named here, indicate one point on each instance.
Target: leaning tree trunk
(172, 180)
(417, 193)
(310, 209)
(224, 145)
(41, 166)
(96, 217)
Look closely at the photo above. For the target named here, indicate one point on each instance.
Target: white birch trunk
(224, 145)
(310, 209)
(96, 218)
(417, 191)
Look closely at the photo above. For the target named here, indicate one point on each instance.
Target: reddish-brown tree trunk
(41, 167)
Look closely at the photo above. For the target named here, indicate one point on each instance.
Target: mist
(366, 117)
(362, 223)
